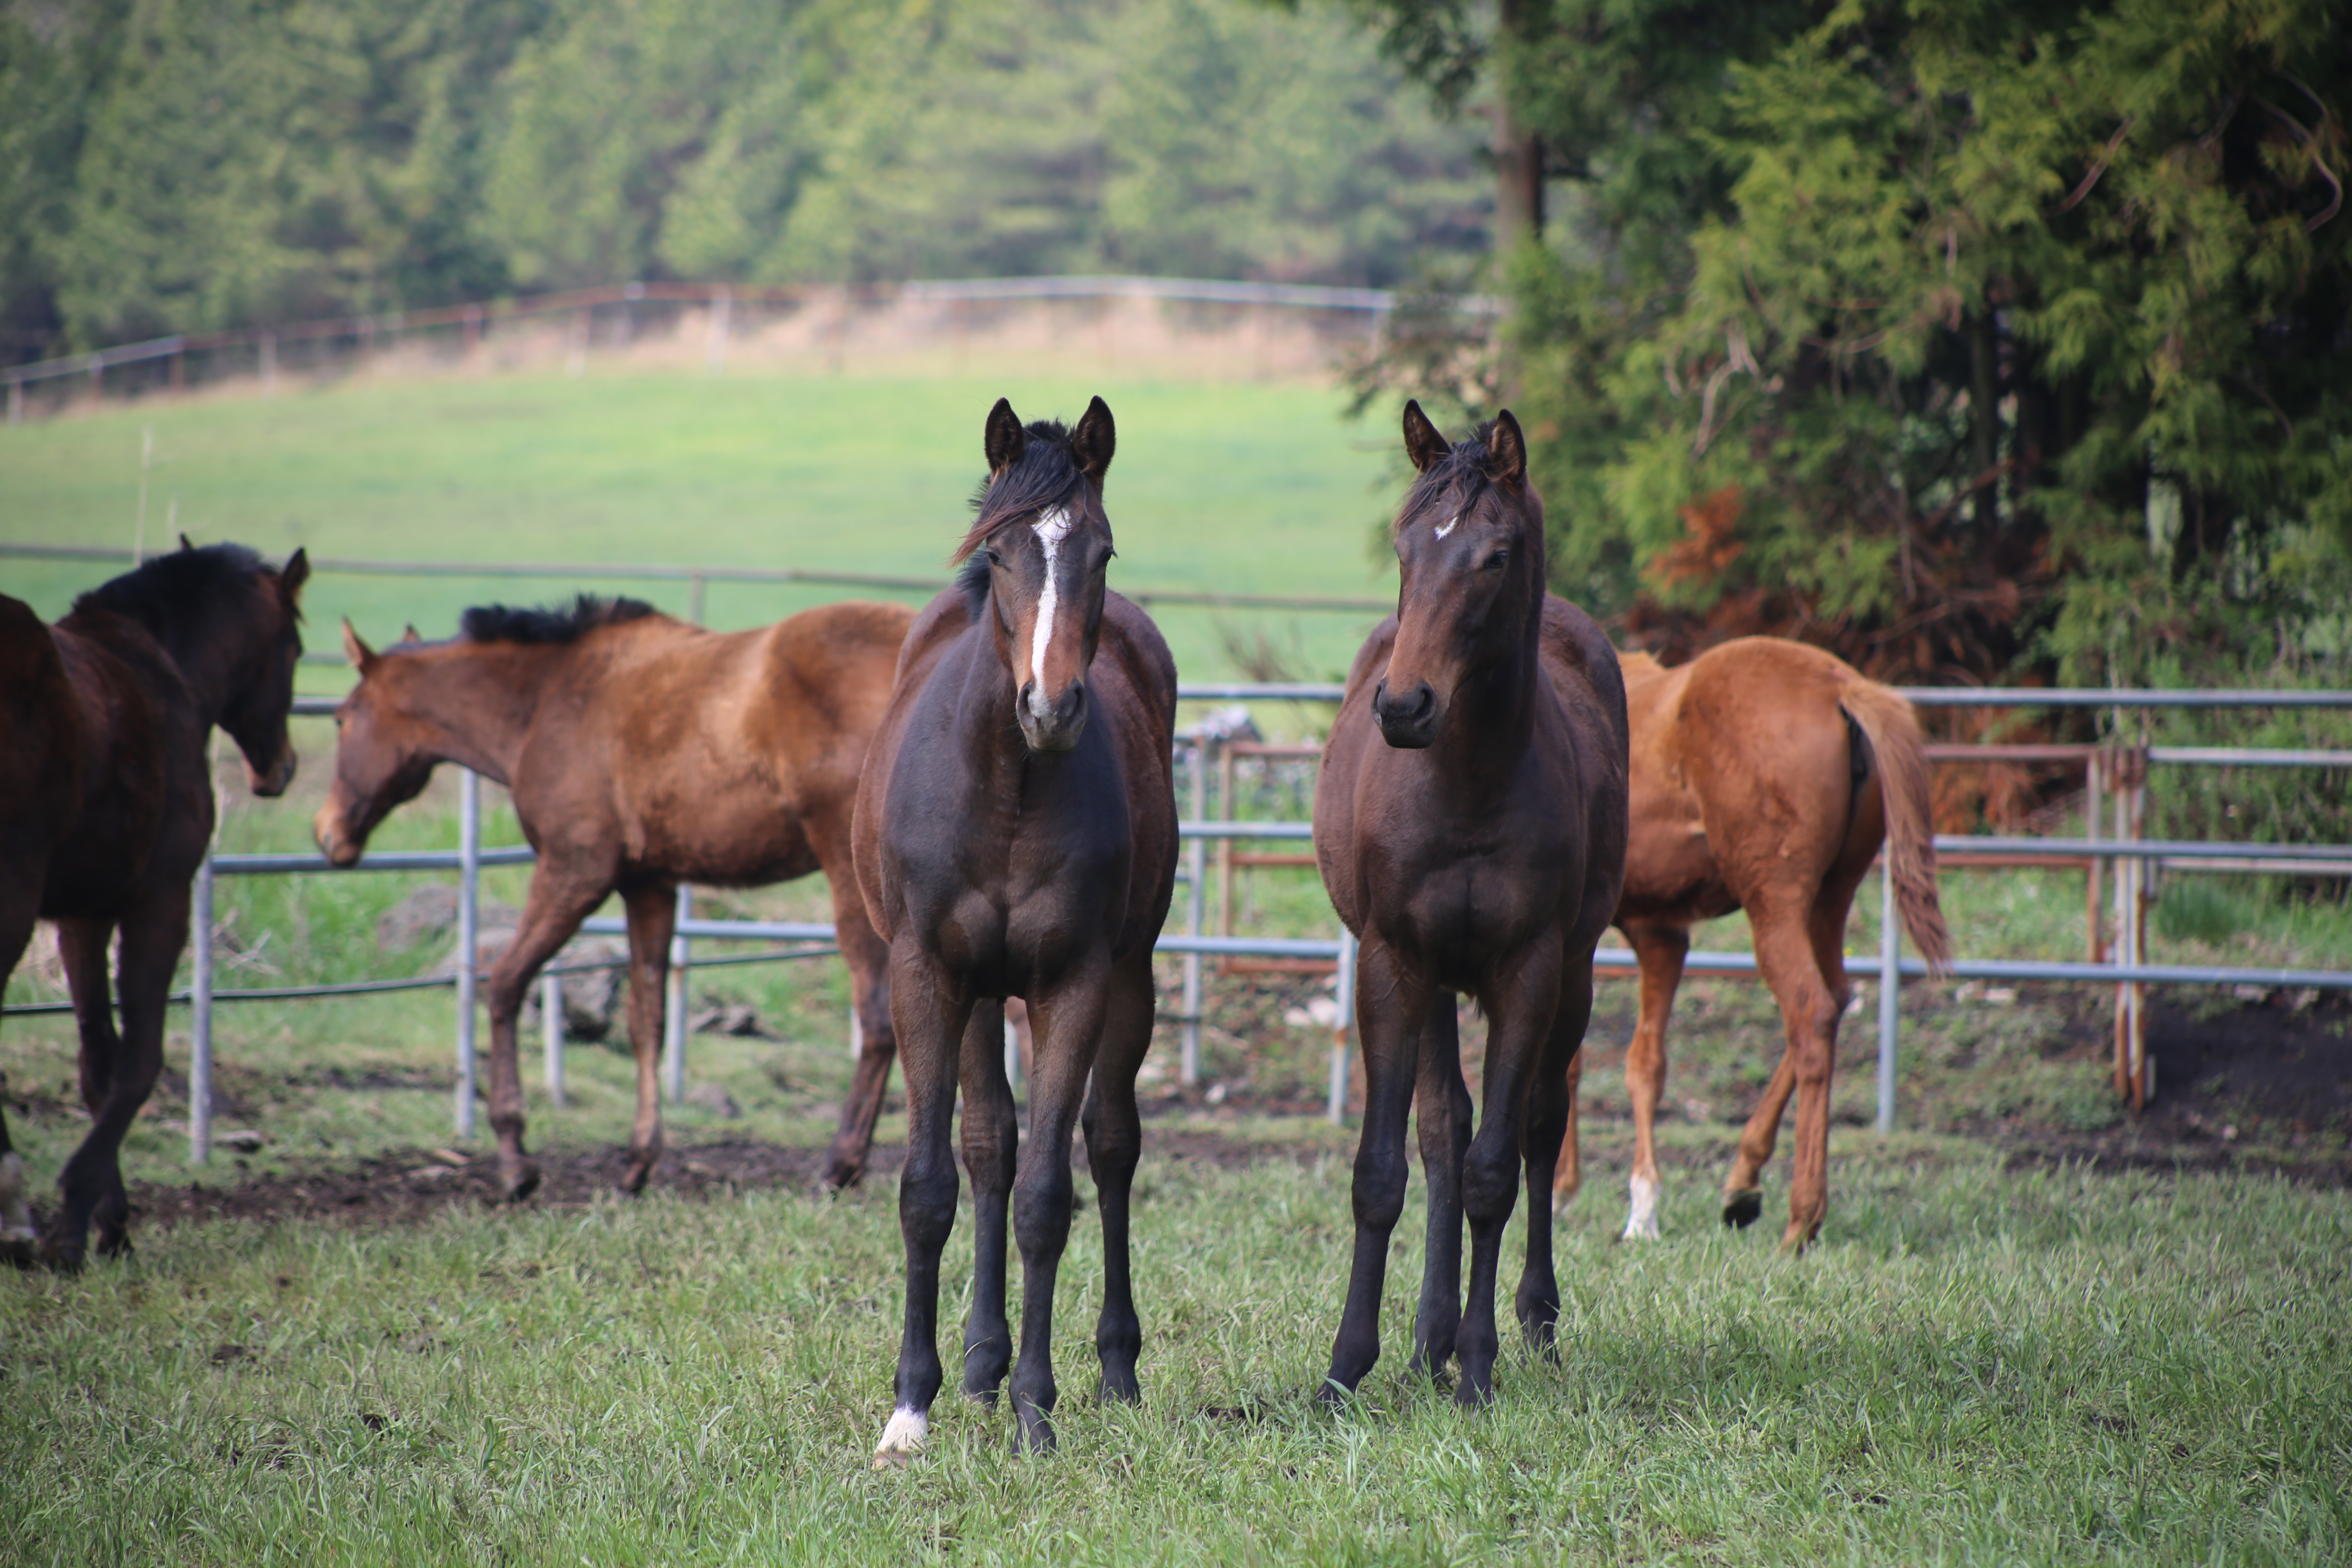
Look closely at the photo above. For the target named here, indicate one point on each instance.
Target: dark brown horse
(106, 811)
(1016, 836)
(1470, 822)
(641, 753)
(1766, 774)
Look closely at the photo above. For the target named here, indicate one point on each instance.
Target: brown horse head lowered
(641, 753)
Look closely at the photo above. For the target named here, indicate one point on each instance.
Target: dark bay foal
(1470, 822)
(641, 753)
(106, 811)
(1016, 836)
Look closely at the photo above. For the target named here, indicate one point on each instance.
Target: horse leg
(154, 935)
(1743, 1197)
(992, 1147)
(1567, 1176)
(20, 908)
(82, 944)
(1784, 952)
(552, 911)
(933, 1017)
(1113, 1146)
(1522, 1001)
(1391, 1009)
(1661, 951)
(868, 957)
(1442, 1115)
(1549, 1111)
(652, 912)
(1068, 1017)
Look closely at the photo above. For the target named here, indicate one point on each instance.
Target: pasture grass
(2053, 1366)
(1240, 488)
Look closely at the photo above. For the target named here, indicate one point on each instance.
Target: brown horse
(1016, 836)
(106, 811)
(1766, 774)
(641, 753)
(1470, 823)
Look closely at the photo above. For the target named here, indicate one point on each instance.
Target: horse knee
(1378, 1193)
(1040, 1215)
(1490, 1184)
(926, 1201)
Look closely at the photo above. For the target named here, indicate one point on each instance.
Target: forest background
(1978, 339)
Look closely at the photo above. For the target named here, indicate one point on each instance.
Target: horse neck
(209, 649)
(1493, 713)
(477, 701)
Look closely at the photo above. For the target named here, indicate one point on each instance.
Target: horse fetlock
(987, 1357)
(1641, 1209)
(1035, 1406)
(1742, 1207)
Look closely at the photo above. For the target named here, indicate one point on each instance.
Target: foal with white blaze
(1016, 835)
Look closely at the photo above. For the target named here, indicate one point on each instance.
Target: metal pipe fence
(2128, 970)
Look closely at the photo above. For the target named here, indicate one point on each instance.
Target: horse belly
(1451, 924)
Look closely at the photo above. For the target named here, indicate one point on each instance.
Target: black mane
(174, 586)
(1047, 476)
(1462, 472)
(526, 624)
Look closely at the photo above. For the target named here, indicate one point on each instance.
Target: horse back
(42, 744)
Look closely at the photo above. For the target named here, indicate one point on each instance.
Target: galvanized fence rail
(2128, 970)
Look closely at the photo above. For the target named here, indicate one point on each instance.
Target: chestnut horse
(1766, 774)
(640, 752)
(1470, 823)
(106, 811)
(1016, 836)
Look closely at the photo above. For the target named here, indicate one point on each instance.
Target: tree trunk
(1518, 154)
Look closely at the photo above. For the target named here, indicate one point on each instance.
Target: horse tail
(1893, 730)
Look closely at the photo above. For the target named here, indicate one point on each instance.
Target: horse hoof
(1475, 1392)
(114, 1244)
(840, 1175)
(1798, 1238)
(522, 1180)
(1562, 1199)
(19, 1251)
(1743, 1209)
(639, 1173)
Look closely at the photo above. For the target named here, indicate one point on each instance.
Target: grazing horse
(106, 811)
(1766, 774)
(1470, 825)
(641, 753)
(1016, 836)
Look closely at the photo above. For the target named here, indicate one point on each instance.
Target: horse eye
(1497, 561)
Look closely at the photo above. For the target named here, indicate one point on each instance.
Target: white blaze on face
(1642, 1221)
(902, 1439)
(1447, 526)
(1051, 529)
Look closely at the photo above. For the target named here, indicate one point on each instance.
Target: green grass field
(1224, 487)
(1979, 1367)
(2048, 1364)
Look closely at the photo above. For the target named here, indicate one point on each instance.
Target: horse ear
(410, 634)
(1006, 440)
(1422, 444)
(186, 543)
(1506, 451)
(356, 649)
(1093, 441)
(297, 571)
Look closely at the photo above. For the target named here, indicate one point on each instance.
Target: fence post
(674, 1004)
(1890, 981)
(551, 1007)
(722, 306)
(1196, 866)
(469, 909)
(2136, 812)
(1345, 997)
(2095, 784)
(200, 1026)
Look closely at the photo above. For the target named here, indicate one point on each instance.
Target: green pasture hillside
(1249, 488)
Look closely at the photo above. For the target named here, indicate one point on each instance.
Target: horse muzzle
(1407, 722)
(271, 785)
(339, 848)
(1053, 726)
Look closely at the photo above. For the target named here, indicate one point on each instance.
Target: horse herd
(987, 784)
